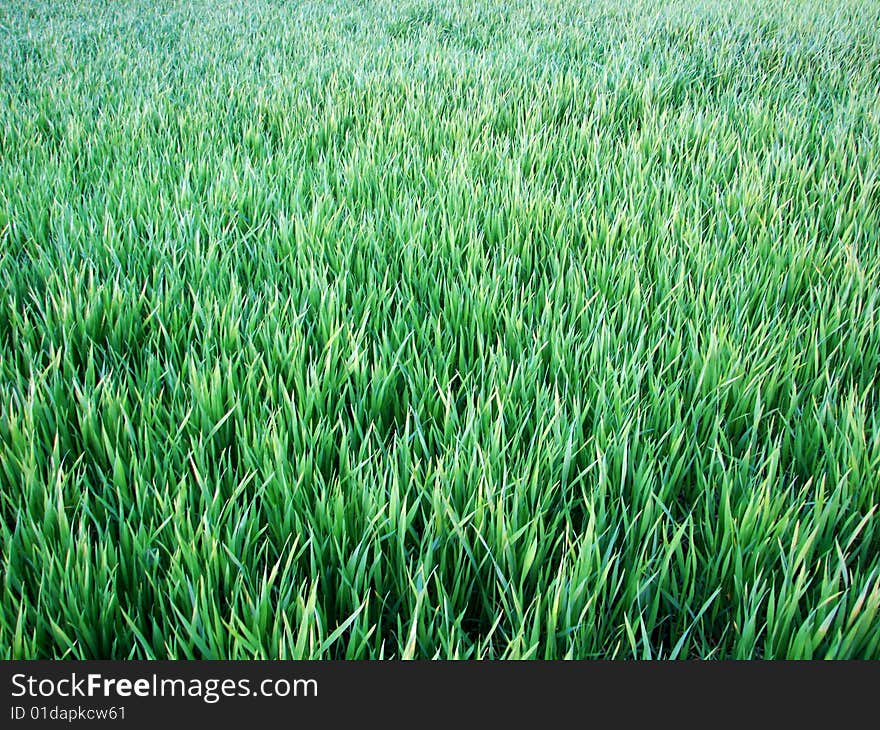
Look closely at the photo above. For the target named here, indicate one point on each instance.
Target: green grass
(353, 329)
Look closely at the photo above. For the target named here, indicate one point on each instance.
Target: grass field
(479, 329)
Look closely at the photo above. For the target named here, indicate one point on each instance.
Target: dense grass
(452, 329)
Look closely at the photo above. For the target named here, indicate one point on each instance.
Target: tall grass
(472, 329)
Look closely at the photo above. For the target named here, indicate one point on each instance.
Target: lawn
(474, 329)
